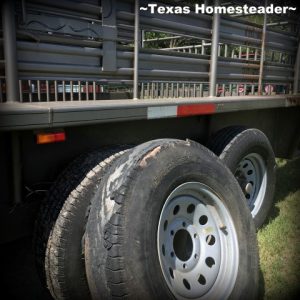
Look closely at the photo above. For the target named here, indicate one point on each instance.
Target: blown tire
(165, 224)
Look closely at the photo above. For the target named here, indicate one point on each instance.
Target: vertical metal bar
(240, 52)
(226, 50)
(47, 91)
(10, 50)
(202, 47)
(201, 90)
(17, 167)
(109, 28)
(71, 91)
(148, 90)
(214, 53)
(247, 53)
(142, 90)
(29, 91)
(167, 87)
(21, 91)
(94, 90)
(297, 71)
(262, 53)
(24, 14)
(79, 90)
(55, 90)
(64, 90)
(143, 38)
(87, 90)
(39, 90)
(136, 50)
(152, 90)
(255, 54)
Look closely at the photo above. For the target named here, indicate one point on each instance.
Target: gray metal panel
(110, 33)
(53, 114)
(16, 116)
(86, 115)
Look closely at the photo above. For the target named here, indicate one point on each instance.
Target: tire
(61, 223)
(249, 155)
(127, 242)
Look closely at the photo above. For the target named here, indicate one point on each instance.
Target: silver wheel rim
(197, 244)
(252, 177)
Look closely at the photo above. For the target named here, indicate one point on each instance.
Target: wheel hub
(252, 177)
(189, 243)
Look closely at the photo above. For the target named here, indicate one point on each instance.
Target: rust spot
(151, 154)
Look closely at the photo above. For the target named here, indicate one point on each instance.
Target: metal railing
(70, 90)
(68, 52)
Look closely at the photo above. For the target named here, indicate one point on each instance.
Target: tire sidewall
(248, 142)
(146, 197)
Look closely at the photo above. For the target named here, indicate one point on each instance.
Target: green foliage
(279, 241)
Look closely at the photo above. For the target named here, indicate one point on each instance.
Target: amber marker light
(50, 137)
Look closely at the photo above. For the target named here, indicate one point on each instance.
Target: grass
(279, 239)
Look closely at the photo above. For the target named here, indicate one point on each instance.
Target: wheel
(165, 224)
(61, 223)
(249, 155)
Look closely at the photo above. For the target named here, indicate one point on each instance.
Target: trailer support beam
(109, 25)
(297, 71)
(214, 53)
(136, 50)
(262, 53)
(10, 51)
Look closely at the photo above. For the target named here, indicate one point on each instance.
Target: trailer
(138, 148)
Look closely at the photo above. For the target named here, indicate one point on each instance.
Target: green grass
(279, 240)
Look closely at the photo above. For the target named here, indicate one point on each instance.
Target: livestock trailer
(138, 146)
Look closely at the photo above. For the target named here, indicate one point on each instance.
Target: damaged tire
(165, 224)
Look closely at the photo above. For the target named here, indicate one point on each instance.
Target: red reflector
(47, 138)
(196, 109)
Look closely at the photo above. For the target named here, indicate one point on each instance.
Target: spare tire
(61, 223)
(165, 224)
(248, 153)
